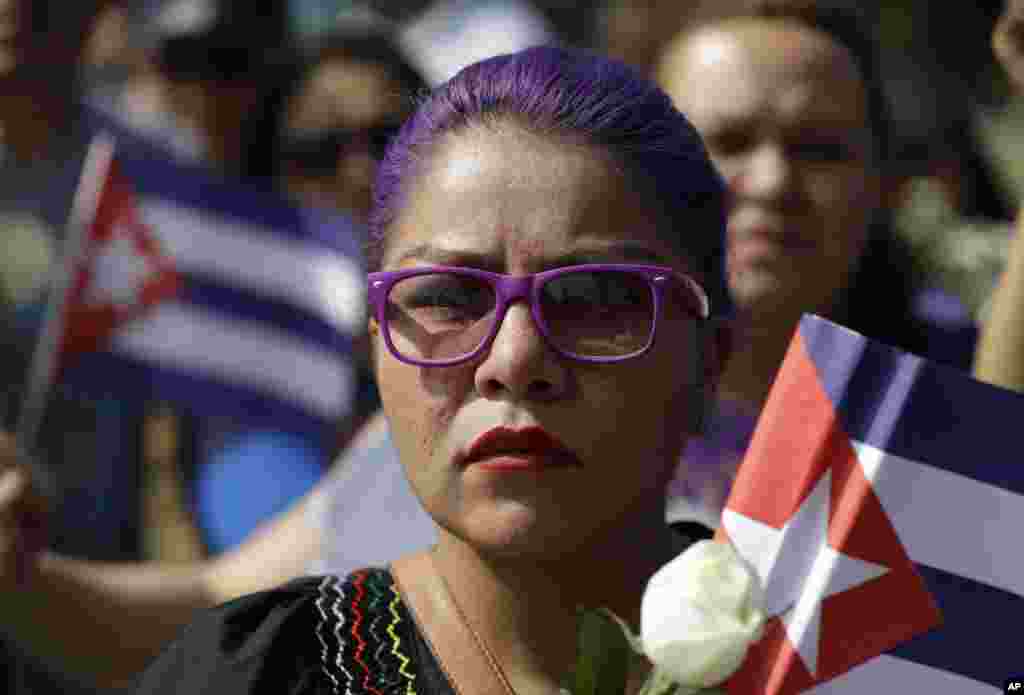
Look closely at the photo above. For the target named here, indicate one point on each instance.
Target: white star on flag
(119, 273)
(798, 568)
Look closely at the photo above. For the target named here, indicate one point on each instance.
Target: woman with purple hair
(547, 248)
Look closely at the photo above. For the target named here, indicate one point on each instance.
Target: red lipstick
(528, 449)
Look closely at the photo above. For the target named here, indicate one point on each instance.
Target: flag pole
(95, 170)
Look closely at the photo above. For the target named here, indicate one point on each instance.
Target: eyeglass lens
(444, 316)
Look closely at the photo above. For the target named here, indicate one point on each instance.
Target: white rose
(700, 613)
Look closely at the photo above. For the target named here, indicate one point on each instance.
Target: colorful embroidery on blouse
(396, 642)
(360, 635)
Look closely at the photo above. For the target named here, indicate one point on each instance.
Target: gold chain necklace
(481, 644)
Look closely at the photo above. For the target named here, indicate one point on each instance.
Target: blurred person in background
(206, 69)
(340, 101)
(218, 67)
(214, 61)
(353, 90)
(953, 200)
(955, 208)
(92, 465)
(218, 72)
(949, 149)
(789, 100)
(211, 64)
(1000, 358)
(336, 110)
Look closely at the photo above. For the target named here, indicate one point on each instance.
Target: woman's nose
(519, 364)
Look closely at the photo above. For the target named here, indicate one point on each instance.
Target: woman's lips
(507, 450)
(518, 462)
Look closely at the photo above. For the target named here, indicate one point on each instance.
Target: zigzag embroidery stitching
(357, 581)
(338, 608)
(321, 628)
(388, 677)
(396, 642)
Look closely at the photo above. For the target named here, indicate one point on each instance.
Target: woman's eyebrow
(452, 257)
(624, 250)
(629, 251)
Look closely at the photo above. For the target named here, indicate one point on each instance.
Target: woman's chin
(511, 526)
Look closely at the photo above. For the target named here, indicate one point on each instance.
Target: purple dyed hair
(602, 102)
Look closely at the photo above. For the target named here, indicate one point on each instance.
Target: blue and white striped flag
(882, 503)
(226, 299)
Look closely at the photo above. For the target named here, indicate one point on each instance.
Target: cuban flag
(185, 287)
(881, 502)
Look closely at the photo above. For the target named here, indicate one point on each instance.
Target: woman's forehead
(481, 158)
(522, 200)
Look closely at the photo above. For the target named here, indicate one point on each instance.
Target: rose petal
(700, 614)
(708, 572)
(702, 664)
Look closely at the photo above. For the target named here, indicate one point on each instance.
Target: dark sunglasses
(317, 152)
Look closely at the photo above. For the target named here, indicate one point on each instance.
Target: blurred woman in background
(353, 90)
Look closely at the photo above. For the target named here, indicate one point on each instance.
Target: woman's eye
(439, 300)
(425, 298)
(446, 301)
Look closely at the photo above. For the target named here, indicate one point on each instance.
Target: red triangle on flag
(799, 439)
(121, 274)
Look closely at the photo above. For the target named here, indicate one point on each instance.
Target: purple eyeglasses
(439, 316)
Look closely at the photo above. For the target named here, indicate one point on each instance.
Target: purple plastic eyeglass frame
(509, 288)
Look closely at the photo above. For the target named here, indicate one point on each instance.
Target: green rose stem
(603, 656)
(605, 649)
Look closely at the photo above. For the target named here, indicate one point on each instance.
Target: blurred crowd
(302, 97)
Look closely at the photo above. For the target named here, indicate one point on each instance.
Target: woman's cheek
(439, 393)
(448, 385)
